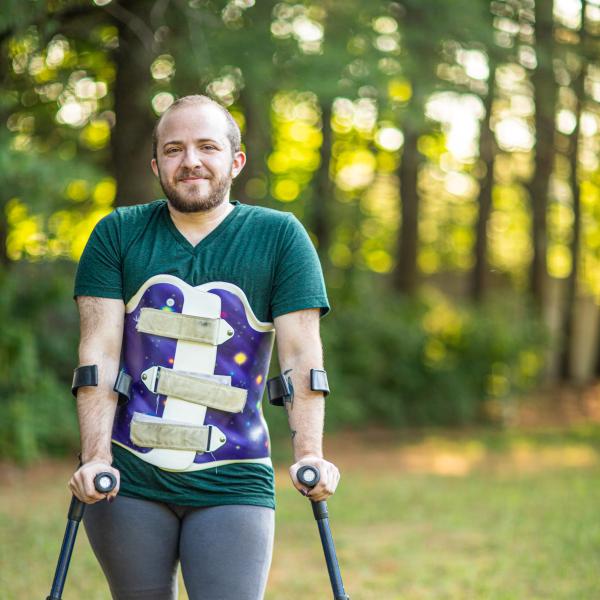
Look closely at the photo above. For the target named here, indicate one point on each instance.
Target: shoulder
(129, 217)
(264, 215)
(277, 224)
(137, 212)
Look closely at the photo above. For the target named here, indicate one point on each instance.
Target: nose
(191, 158)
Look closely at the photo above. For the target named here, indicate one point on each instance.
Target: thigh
(225, 552)
(136, 543)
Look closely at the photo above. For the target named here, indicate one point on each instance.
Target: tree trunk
(544, 92)
(404, 277)
(131, 138)
(487, 152)
(256, 139)
(571, 289)
(323, 195)
(571, 285)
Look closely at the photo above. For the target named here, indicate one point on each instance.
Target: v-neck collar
(184, 242)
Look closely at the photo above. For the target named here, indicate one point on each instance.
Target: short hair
(233, 131)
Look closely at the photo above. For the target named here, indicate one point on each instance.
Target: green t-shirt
(267, 253)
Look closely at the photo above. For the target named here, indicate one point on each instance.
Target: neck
(201, 220)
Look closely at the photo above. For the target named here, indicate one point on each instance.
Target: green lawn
(494, 515)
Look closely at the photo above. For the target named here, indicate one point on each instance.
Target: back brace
(198, 359)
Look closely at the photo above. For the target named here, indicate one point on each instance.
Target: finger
(113, 493)
(73, 488)
(80, 486)
(77, 492)
(318, 497)
(88, 485)
(292, 471)
(316, 491)
(305, 491)
(326, 488)
(333, 480)
(77, 487)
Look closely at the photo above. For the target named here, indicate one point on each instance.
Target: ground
(475, 514)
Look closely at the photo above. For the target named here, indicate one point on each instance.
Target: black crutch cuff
(318, 381)
(86, 375)
(280, 389)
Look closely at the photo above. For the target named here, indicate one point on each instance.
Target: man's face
(193, 158)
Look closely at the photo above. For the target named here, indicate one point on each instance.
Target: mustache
(186, 173)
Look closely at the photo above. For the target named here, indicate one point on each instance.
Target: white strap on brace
(184, 327)
(208, 390)
(148, 431)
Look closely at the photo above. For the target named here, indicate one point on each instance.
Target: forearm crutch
(309, 476)
(104, 483)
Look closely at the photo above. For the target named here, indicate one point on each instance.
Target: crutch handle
(105, 482)
(308, 476)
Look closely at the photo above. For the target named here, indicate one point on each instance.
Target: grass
(480, 515)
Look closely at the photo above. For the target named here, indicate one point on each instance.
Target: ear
(239, 160)
(154, 166)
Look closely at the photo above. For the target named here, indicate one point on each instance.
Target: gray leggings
(225, 551)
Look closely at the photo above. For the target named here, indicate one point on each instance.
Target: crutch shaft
(333, 567)
(66, 550)
(310, 476)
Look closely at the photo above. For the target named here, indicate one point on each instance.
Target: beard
(193, 200)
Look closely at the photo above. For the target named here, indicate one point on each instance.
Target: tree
(488, 149)
(425, 26)
(544, 94)
(578, 88)
(131, 136)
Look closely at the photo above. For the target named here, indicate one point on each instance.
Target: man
(184, 296)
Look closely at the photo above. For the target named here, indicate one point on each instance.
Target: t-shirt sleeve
(298, 281)
(99, 271)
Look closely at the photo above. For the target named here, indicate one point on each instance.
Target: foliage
(326, 94)
(428, 360)
(37, 353)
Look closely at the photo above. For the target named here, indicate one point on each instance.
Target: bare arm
(299, 350)
(101, 335)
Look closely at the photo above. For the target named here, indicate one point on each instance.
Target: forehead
(195, 121)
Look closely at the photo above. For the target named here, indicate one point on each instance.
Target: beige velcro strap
(160, 433)
(200, 391)
(183, 327)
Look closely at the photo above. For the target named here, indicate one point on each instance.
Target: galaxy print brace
(195, 398)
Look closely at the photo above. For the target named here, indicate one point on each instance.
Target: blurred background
(444, 157)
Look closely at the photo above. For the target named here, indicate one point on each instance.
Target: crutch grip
(308, 476)
(105, 482)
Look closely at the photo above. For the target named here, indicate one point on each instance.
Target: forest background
(442, 155)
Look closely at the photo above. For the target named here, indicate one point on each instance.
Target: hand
(82, 482)
(330, 477)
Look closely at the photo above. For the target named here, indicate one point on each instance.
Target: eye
(171, 150)
(209, 147)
